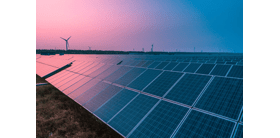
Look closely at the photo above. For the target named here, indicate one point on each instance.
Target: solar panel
(144, 79)
(188, 88)
(192, 67)
(140, 63)
(220, 70)
(87, 95)
(154, 64)
(134, 63)
(161, 122)
(161, 65)
(129, 76)
(130, 116)
(239, 131)
(100, 70)
(76, 85)
(147, 64)
(184, 102)
(83, 88)
(94, 103)
(170, 66)
(205, 68)
(223, 96)
(236, 71)
(117, 74)
(198, 124)
(180, 66)
(114, 105)
(107, 72)
(160, 85)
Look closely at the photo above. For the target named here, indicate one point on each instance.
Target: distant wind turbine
(67, 44)
(89, 48)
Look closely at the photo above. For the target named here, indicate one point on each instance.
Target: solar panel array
(155, 95)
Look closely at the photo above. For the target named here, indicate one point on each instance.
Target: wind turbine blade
(68, 38)
(63, 38)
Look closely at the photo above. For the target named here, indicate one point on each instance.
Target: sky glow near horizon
(211, 26)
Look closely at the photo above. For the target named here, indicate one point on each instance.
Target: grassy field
(59, 116)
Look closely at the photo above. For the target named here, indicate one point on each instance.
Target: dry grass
(59, 116)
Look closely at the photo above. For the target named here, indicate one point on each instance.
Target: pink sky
(123, 25)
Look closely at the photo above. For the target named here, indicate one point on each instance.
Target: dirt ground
(59, 116)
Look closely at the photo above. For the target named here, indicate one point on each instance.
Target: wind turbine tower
(67, 44)
(89, 48)
(152, 49)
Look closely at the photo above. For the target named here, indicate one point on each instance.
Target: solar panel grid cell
(170, 66)
(180, 66)
(102, 97)
(83, 88)
(147, 64)
(130, 116)
(117, 74)
(144, 79)
(108, 110)
(90, 93)
(162, 65)
(236, 71)
(188, 88)
(129, 76)
(154, 64)
(205, 68)
(223, 96)
(198, 124)
(161, 122)
(192, 67)
(160, 86)
(220, 70)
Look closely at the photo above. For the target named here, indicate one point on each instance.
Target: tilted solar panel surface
(191, 95)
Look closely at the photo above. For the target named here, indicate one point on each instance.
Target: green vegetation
(59, 116)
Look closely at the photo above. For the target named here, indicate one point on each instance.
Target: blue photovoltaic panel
(239, 131)
(170, 66)
(223, 96)
(161, 65)
(160, 86)
(154, 64)
(76, 85)
(102, 97)
(84, 97)
(144, 79)
(192, 67)
(83, 88)
(100, 70)
(205, 68)
(117, 74)
(108, 72)
(198, 125)
(130, 116)
(188, 88)
(161, 122)
(108, 110)
(220, 62)
(128, 77)
(140, 63)
(236, 71)
(147, 64)
(134, 63)
(181, 67)
(230, 63)
(220, 70)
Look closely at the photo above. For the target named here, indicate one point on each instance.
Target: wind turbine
(67, 44)
(89, 48)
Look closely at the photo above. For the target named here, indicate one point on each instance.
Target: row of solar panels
(155, 99)
(107, 58)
